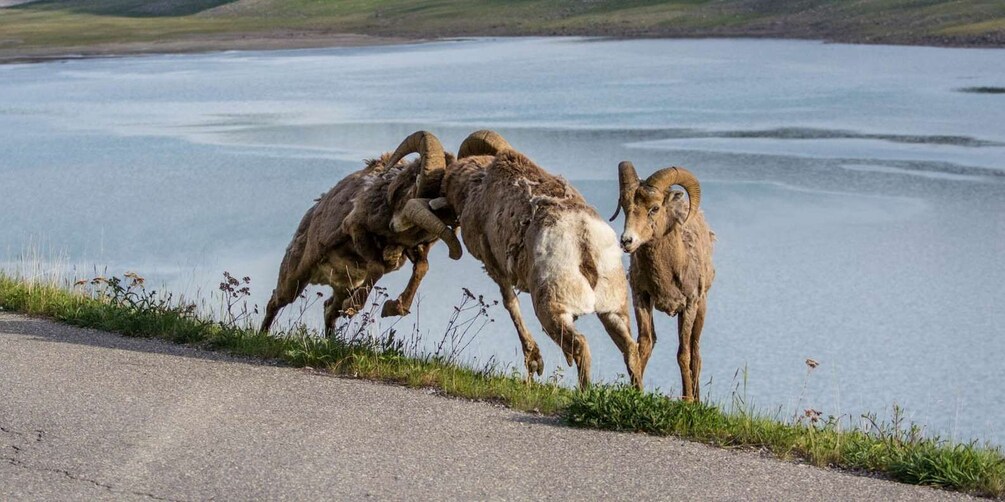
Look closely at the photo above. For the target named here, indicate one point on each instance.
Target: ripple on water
(924, 173)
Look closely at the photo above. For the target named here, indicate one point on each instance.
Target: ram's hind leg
(333, 310)
(419, 257)
(286, 292)
(617, 326)
(560, 326)
(531, 352)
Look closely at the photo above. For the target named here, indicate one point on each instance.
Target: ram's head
(648, 204)
(412, 204)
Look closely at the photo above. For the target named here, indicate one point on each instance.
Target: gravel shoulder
(91, 415)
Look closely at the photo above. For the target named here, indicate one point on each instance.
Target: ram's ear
(674, 196)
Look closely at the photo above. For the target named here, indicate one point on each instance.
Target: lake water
(858, 195)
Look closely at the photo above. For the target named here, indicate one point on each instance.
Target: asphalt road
(92, 415)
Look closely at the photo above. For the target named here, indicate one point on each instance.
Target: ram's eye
(652, 210)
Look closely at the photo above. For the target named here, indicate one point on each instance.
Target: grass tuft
(624, 408)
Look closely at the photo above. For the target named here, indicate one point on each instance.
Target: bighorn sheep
(671, 264)
(345, 240)
(534, 232)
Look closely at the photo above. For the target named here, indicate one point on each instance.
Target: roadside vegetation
(67, 24)
(124, 305)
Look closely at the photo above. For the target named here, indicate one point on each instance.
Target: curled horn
(417, 211)
(482, 142)
(628, 181)
(431, 155)
(667, 177)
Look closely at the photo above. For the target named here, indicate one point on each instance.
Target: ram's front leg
(420, 265)
(647, 329)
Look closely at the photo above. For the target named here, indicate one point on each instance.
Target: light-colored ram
(535, 233)
(671, 264)
(345, 240)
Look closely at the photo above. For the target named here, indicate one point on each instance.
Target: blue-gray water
(857, 194)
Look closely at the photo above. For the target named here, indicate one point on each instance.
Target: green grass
(127, 8)
(71, 23)
(134, 312)
(900, 452)
(893, 450)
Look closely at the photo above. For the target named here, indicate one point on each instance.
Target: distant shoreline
(61, 29)
(289, 40)
(199, 44)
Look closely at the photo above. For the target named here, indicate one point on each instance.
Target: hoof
(393, 308)
(636, 370)
(534, 362)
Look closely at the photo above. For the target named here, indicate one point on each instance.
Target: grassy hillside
(53, 24)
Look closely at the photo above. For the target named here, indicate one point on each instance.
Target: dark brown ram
(346, 241)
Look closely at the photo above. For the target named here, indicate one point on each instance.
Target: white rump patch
(612, 284)
(557, 260)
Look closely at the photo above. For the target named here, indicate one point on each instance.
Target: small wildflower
(812, 414)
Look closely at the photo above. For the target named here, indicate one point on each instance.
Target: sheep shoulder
(543, 194)
(699, 243)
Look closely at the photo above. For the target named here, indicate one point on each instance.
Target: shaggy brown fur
(525, 225)
(671, 270)
(345, 241)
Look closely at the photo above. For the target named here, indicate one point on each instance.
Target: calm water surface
(857, 194)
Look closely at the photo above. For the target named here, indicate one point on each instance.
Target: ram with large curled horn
(534, 232)
(365, 227)
(671, 263)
